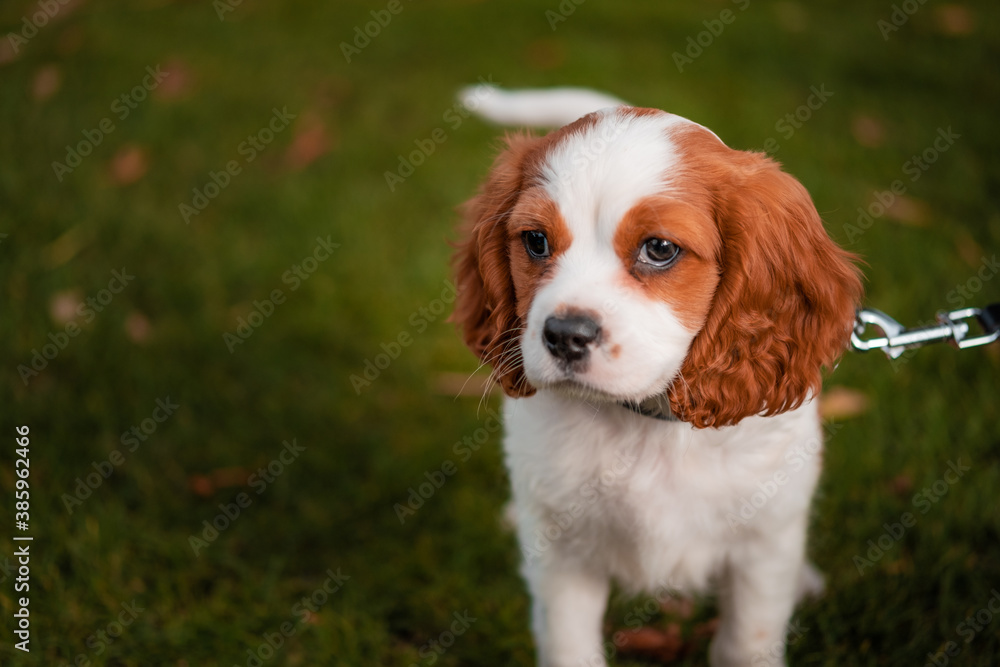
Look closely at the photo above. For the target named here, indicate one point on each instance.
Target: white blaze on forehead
(595, 176)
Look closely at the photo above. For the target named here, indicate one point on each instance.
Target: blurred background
(224, 254)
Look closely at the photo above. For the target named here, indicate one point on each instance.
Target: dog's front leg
(757, 595)
(568, 603)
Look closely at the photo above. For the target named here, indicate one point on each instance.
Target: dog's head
(631, 254)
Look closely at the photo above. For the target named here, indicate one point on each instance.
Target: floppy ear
(485, 306)
(784, 307)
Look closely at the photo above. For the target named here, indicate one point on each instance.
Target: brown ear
(784, 307)
(485, 307)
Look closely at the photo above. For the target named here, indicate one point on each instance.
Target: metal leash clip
(952, 326)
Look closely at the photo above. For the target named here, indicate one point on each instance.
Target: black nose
(569, 338)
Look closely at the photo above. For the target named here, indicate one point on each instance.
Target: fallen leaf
(201, 485)
(7, 52)
(545, 54)
(220, 478)
(137, 327)
(234, 476)
(678, 606)
(46, 83)
(842, 403)
(310, 142)
(705, 630)
(970, 251)
(63, 306)
(178, 82)
(901, 485)
(909, 211)
(129, 164)
(955, 20)
(867, 130)
(651, 643)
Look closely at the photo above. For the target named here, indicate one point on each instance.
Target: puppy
(657, 308)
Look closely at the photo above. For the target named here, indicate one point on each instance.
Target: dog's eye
(536, 244)
(659, 253)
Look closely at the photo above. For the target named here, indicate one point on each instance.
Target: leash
(953, 327)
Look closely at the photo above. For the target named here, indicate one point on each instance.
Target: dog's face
(632, 254)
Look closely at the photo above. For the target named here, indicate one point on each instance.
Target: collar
(655, 407)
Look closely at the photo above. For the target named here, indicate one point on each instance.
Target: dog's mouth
(575, 387)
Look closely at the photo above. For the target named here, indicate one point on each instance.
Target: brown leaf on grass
(233, 476)
(201, 485)
(179, 80)
(955, 20)
(310, 142)
(129, 164)
(220, 478)
(462, 384)
(705, 631)
(968, 249)
(651, 643)
(63, 306)
(867, 130)
(842, 403)
(909, 211)
(7, 52)
(901, 485)
(545, 54)
(678, 607)
(137, 327)
(46, 82)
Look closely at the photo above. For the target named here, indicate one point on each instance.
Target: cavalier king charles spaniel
(657, 308)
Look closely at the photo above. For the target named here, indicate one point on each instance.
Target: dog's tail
(538, 107)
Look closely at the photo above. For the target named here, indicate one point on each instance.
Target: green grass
(332, 507)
